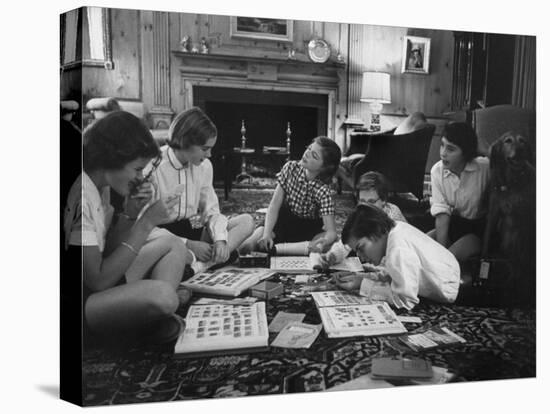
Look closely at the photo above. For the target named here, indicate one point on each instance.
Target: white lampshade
(376, 87)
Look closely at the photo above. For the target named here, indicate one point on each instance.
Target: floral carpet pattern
(500, 344)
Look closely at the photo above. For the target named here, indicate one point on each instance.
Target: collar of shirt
(469, 167)
(174, 160)
(303, 176)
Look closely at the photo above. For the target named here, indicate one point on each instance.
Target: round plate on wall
(318, 50)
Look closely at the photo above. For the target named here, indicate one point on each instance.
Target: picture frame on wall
(261, 28)
(416, 55)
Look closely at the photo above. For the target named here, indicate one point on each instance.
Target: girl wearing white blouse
(459, 183)
(184, 169)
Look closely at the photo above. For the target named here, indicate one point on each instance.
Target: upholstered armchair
(401, 158)
(490, 123)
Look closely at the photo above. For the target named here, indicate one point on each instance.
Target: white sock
(193, 257)
(199, 267)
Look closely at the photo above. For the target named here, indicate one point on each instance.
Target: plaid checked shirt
(306, 199)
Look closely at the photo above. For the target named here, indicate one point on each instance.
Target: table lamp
(375, 89)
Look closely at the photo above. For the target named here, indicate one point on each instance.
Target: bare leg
(131, 306)
(466, 247)
(163, 257)
(170, 267)
(239, 228)
(251, 244)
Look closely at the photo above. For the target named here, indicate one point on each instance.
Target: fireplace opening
(266, 115)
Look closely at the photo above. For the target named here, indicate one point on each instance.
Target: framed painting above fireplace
(261, 28)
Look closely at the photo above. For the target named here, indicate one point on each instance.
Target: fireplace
(266, 115)
(267, 94)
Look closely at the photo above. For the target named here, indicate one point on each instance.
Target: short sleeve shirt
(305, 198)
(88, 214)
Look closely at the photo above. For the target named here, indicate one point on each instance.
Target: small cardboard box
(266, 290)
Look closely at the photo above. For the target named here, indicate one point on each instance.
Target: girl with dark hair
(185, 170)
(459, 182)
(302, 208)
(412, 263)
(129, 283)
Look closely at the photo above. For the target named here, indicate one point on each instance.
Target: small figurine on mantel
(185, 44)
(204, 46)
(292, 54)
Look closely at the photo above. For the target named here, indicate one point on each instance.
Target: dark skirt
(291, 228)
(460, 227)
(183, 228)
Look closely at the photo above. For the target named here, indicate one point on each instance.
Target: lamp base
(375, 122)
(375, 110)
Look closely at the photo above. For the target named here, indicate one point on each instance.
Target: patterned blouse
(306, 199)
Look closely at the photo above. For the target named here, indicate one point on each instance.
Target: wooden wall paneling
(336, 36)
(201, 30)
(382, 53)
(382, 50)
(332, 37)
(71, 85)
(146, 30)
(356, 65)
(302, 35)
(437, 93)
(188, 26)
(317, 30)
(218, 31)
(161, 112)
(342, 97)
(124, 81)
(181, 24)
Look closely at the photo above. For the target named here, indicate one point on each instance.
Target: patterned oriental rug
(500, 344)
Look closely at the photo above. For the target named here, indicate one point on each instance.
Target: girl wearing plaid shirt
(302, 208)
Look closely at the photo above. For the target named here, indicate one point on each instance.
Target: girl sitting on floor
(185, 168)
(129, 283)
(302, 208)
(459, 182)
(414, 264)
(373, 189)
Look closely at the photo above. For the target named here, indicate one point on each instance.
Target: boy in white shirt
(415, 264)
(185, 170)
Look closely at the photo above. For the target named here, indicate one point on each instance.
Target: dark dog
(511, 229)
